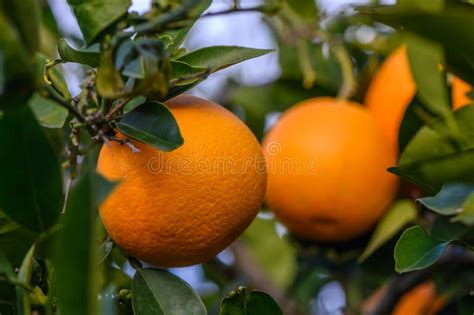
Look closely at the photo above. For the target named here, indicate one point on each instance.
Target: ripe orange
(183, 207)
(327, 177)
(392, 89)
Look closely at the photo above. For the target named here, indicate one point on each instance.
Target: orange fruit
(421, 300)
(183, 207)
(459, 90)
(390, 92)
(392, 89)
(327, 166)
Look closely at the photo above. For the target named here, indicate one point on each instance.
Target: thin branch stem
(117, 107)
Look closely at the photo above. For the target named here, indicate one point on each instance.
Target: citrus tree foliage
(55, 256)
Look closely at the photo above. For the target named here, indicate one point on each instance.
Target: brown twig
(117, 107)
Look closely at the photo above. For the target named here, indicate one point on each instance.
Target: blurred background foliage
(330, 48)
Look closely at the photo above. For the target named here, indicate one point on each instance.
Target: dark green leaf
(433, 6)
(260, 303)
(109, 83)
(87, 56)
(95, 16)
(15, 60)
(445, 230)
(219, 57)
(24, 276)
(243, 302)
(48, 113)
(401, 213)
(417, 250)
(410, 125)
(449, 200)
(433, 159)
(159, 292)
(154, 124)
(7, 224)
(76, 245)
(31, 181)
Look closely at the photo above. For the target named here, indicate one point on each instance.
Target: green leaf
(416, 250)
(76, 250)
(183, 73)
(177, 36)
(157, 291)
(426, 59)
(467, 214)
(6, 268)
(109, 83)
(243, 302)
(7, 224)
(449, 200)
(31, 181)
(443, 229)
(48, 113)
(154, 124)
(219, 57)
(87, 56)
(432, 159)
(26, 16)
(15, 59)
(433, 6)
(401, 213)
(134, 103)
(24, 276)
(95, 16)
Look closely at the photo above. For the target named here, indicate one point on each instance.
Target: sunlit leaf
(396, 218)
(88, 56)
(159, 292)
(219, 57)
(95, 16)
(467, 214)
(24, 276)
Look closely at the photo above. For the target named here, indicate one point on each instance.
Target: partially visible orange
(390, 92)
(421, 300)
(392, 89)
(327, 166)
(459, 90)
(183, 207)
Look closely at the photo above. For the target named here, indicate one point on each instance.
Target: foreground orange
(392, 89)
(183, 207)
(327, 166)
